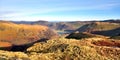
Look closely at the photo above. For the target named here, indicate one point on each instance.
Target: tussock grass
(71, 49)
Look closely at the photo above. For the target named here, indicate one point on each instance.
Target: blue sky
(59, 10)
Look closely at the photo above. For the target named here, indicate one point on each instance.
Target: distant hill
(56, 25)
(96, 28)
(20, 34)
(112, 21)
(102, 28)
(64, 26)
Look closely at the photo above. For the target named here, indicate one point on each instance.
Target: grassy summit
(69, 49)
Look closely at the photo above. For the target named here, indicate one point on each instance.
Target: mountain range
(84, 40)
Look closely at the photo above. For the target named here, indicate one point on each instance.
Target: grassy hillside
(18, 34)
(69, 49)
(101, 28)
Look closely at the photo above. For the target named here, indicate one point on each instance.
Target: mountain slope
(55, 25)
(102, 28)
(20, 34)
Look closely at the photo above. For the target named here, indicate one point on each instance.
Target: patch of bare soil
(115, 44)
